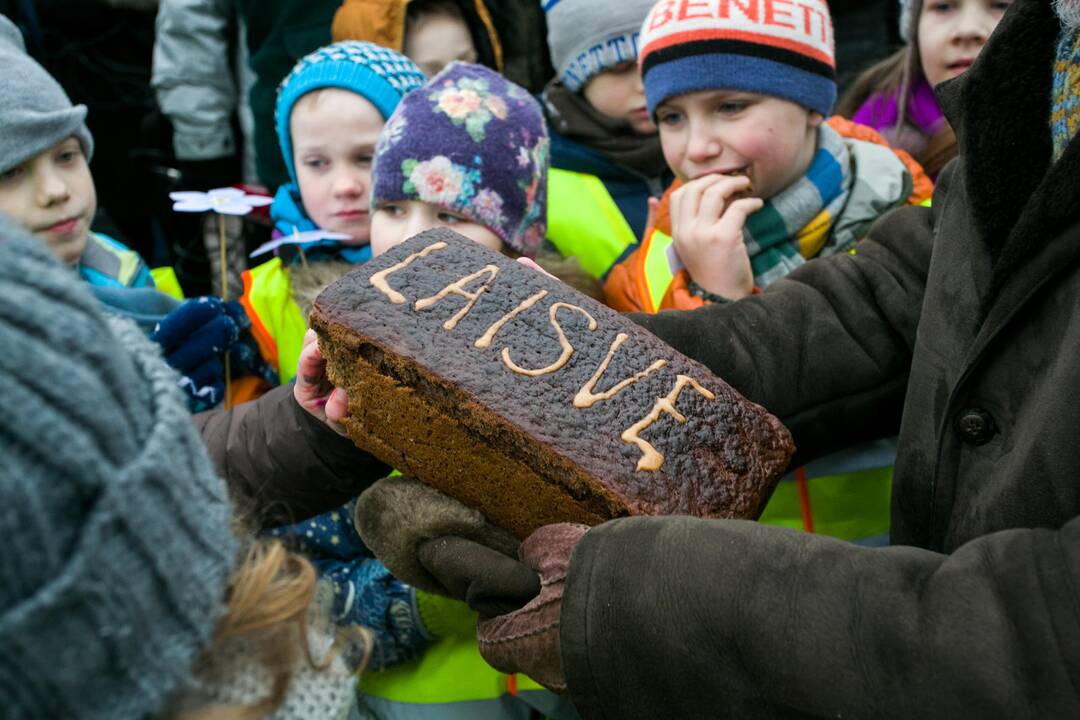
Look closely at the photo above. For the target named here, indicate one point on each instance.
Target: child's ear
(816, 119)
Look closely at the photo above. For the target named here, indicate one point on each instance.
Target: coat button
(976, 426)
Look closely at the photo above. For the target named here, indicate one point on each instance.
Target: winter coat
(630, 286)
(955, 323)
(193, 76)
(281, 464)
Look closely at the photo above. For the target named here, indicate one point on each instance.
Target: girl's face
(770, 140)
(436, 40)
(395, 222)
(952, 32)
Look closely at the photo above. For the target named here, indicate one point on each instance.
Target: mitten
(195, 332)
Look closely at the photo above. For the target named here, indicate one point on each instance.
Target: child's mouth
(351, 215)
(63, 227)
(960, 66)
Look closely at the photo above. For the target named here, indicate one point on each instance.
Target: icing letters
(651, 459)
(567, 348)
(379, 278)
(586, 398)
(484, 340)
(458, 288)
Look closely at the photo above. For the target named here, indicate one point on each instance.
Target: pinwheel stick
(223, 260)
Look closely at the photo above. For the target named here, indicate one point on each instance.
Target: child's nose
(52, 190)
(701, 145)
(974, 23)
(349, 183)
(417, 223)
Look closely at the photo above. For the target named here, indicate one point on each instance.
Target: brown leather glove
(527, 640)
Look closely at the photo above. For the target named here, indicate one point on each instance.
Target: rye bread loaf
(512, 392)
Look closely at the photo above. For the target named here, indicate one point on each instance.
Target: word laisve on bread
(585, 397)
(507, 389)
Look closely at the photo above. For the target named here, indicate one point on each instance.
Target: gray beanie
(587, 37)
(35, 112)
(117, 546)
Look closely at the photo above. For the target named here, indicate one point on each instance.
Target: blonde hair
(268, 602)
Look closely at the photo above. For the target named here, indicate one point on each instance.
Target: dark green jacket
(279, 32)
(960, 324)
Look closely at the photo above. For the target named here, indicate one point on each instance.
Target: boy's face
(618, 93)
(52, 195)
(434, 41)
(333, 134)
(772, 141)
(396, 222)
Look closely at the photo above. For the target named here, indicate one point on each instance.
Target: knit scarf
(1065, 92)
(289, 216)
(795, 224)
(574, 118)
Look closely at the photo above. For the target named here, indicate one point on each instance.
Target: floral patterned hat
(474, 143)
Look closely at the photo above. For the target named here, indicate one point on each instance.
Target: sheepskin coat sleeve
(281, 464)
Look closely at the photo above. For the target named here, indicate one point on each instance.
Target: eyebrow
(321, 147)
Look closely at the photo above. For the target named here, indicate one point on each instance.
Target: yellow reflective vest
(584, 222)
(451, 681)
(277, 322)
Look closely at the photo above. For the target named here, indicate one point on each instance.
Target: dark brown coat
(281, 464)
(960, 325)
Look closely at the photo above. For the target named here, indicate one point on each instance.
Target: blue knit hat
(474, 143)
(377, 74)
(782, 50)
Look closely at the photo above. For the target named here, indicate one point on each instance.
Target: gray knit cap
(587, 37)
(35, 112)
(116, 542)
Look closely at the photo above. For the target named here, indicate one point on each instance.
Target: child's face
(434, 41)
(618, 93)
(52, 195)
(333, 134)
(396, 222)
(770, 140)
(952, 32)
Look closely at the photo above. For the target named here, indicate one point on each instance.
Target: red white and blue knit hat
(782, 48)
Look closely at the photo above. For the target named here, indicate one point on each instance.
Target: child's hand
(313, 390)
(532, 264)
(707, 229)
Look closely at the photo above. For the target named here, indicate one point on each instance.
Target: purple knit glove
(527, 640)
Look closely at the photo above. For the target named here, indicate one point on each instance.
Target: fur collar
(1000, 109)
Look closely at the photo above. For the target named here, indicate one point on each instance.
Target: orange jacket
(626, 289)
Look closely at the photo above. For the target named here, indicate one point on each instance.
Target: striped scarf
(795, 224)
(1065, 93)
